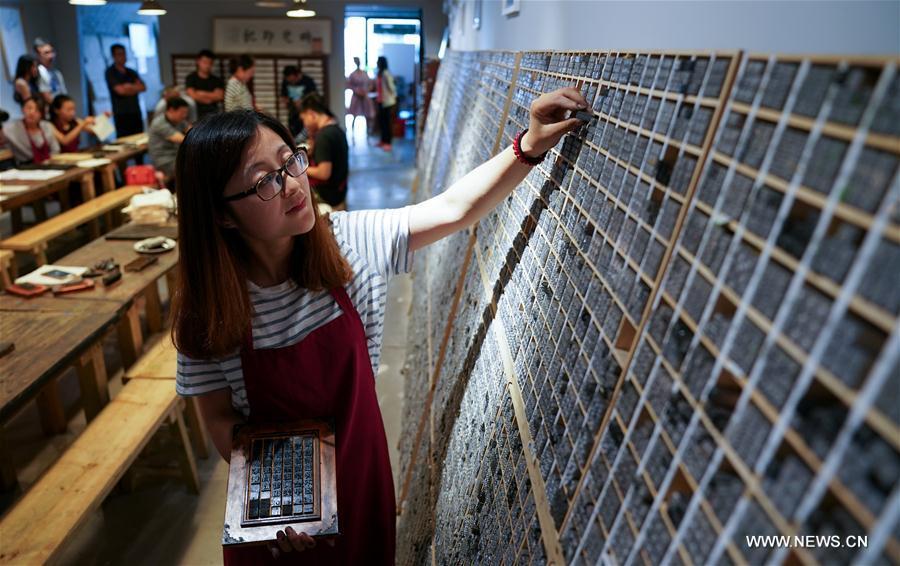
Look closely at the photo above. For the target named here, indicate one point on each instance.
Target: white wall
(826, 26)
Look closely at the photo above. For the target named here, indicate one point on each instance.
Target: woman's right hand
(290, 540)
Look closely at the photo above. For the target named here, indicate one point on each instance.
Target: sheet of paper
(88, 163)
(29, 174)
(60, 274)
(13, 189)
(103, 127)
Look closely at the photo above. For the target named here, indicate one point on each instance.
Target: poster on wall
(510, 7)
(272, 35)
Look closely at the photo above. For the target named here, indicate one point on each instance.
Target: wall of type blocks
(680, 330)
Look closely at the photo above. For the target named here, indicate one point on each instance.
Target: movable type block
(716, 77)
(699, 125)
(855, 86)
(750, 339)
(755, 148)
(807, 317)
(837, 251)
(716, 248)
(748, 81)
(779, 85)
(797, 230)
(785, 480)
(887, 117)
(771, 289)
(650, 113)
(755, 523)
(697, 296)
(823, 166)
(787, 154)
(779, 373)
(763, 211)
(682, 173)
(871, 178)
(650, 71)
(730, 133)
(677, 274)
(723, 492)
(696, 75)
(870, 468)
(814, 89)
(852, 350)
(819, 419)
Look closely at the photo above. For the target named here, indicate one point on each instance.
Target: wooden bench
(34, 240)
(160, 362)
(39, 525)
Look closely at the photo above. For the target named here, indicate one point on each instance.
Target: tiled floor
(160, 522)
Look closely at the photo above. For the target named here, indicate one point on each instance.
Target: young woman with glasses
(278, 311)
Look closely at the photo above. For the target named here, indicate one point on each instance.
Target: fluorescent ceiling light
(301, 13)
(87, 2)
(151, 8)
(271, 4)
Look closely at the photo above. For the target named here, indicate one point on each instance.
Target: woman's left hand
(548, 123)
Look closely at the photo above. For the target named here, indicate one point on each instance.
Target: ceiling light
(151, 8)
(271, 4)
(87, 2)
(300, 10)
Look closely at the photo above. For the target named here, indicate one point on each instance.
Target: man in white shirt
(50, 80)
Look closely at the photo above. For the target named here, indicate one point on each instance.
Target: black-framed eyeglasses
(272, 183)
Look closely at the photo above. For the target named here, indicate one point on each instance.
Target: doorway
(396, 34)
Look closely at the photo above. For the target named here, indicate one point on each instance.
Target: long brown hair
(211, 307)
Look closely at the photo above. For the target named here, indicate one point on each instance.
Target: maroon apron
(39, 154)
(328, 375)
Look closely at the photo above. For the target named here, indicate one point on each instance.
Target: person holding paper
(31, 137)
(67, 127)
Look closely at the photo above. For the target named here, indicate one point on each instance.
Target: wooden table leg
(40, 253)
(131, 339)
(92, 378)
(186, 453)
(171, 280)
(16, 217)
(8, 479)
(40, 210)
(88, 192)
(50, 407)
(108, 182)
(154, 307)
(198, 431)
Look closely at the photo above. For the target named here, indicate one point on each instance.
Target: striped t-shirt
(375, 243)
(237, 96)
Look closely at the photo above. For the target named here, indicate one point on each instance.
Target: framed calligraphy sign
(272, 35)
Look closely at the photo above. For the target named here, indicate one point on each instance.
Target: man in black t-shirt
(204, 87)
(124, 86)
(329, 162)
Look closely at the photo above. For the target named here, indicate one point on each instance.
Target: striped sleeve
(379, 236)
(196, 377)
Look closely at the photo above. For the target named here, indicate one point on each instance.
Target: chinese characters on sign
(272, 35)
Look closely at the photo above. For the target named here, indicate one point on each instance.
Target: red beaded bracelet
(520, 155)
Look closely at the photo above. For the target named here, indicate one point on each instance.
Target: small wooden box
(281, 475)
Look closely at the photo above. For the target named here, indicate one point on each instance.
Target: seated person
(328, 163)
(174, 92)
(31, 138)
(67, 127)
(167, 131)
